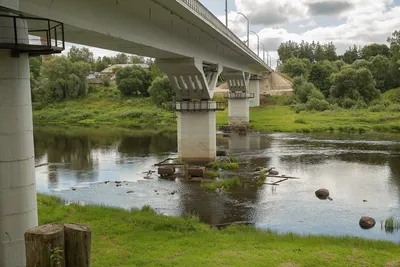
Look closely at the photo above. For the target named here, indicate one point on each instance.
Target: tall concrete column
(254, 88)
(238, 109)
(197, 131)
(18, 208)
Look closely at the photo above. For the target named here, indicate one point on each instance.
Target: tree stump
(78, 238)
(45, 246)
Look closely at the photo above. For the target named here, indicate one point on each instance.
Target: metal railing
(239, 95)
(31, 35)
(199, 106)
(203, 12)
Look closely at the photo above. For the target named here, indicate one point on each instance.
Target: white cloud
(364, 25)
(310, 24)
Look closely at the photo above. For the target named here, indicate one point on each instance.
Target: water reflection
(353, 169)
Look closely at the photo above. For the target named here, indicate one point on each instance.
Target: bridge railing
(201, 10)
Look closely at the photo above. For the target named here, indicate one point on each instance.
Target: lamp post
(226, 13)
(248, 28)
(258, 43)
(263, 51)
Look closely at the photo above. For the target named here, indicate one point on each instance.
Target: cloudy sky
(344, 22)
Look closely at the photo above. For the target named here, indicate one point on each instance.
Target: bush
(392, 95)
(361, 104)
(317, 104)
(377, 108)
(300, 107)
(317, 94)
(394, 108)
(386, 102)
(300, 121)
(133, 81)
(161, 91)
(348, 103)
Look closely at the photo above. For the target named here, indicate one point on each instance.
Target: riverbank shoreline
(144, 238)
(140, 115)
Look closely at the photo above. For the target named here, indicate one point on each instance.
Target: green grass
(143, 238)
(280, 118)
(225, 184)
(212, 174)
(392, 224)
(105, 107)
(216, 165)
(101, 109)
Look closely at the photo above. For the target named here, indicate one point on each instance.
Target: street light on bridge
(248, 28)
(258, 43)
(263, 51)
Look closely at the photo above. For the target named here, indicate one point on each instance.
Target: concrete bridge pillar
(194, 84)
(18, 208)
(254, 88)
(238, 97)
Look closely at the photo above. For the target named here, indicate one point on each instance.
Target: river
(362, 173)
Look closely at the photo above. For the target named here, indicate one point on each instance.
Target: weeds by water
(212, 174)
(392, 224)
(225, 184)
(136, 238)
(216, 165)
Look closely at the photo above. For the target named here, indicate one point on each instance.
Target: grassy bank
(109, 110)
(105, 108)
(143, 238)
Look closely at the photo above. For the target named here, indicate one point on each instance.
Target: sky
(343, 22)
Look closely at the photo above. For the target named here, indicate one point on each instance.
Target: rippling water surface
(355, 168)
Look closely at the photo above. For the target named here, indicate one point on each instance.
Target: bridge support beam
(194, 83)
(18, 208)
(197, 139)
(238, 103)
(254, 88)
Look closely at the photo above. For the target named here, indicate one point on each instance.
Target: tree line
(355, 79)
(65, 77)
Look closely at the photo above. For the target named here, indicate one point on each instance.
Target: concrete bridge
(190, 44)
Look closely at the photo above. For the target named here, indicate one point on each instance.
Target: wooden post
(78, 240)
(45, 246)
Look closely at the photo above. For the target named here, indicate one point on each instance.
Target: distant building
(110, 71)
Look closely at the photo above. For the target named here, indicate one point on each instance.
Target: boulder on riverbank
(322, 193)
(367, 222)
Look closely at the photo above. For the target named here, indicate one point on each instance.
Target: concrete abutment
(18, 207)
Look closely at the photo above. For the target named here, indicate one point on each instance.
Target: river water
(361, 172)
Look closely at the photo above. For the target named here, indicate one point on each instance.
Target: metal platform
(240, 95)
(200, 106)
(29, 35)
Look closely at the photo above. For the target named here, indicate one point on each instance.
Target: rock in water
(322, 193)
(367, 222)
(274, 172)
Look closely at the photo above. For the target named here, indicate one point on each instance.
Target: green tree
(296, 67)
(320, 75)
(76, 54)
(302, 89)
(136, 60)
(155, 71)
(133, 81)
(101, 64)
(361, 63)
(121, 58)
(35, 63)
(351, 55)
(161, 91)
(394, 39)
(288, 50)
(354, 84)
(379, 69)
(330, 52)
(373, 50)
(339, 64)
(320, 52)
(64, 79)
